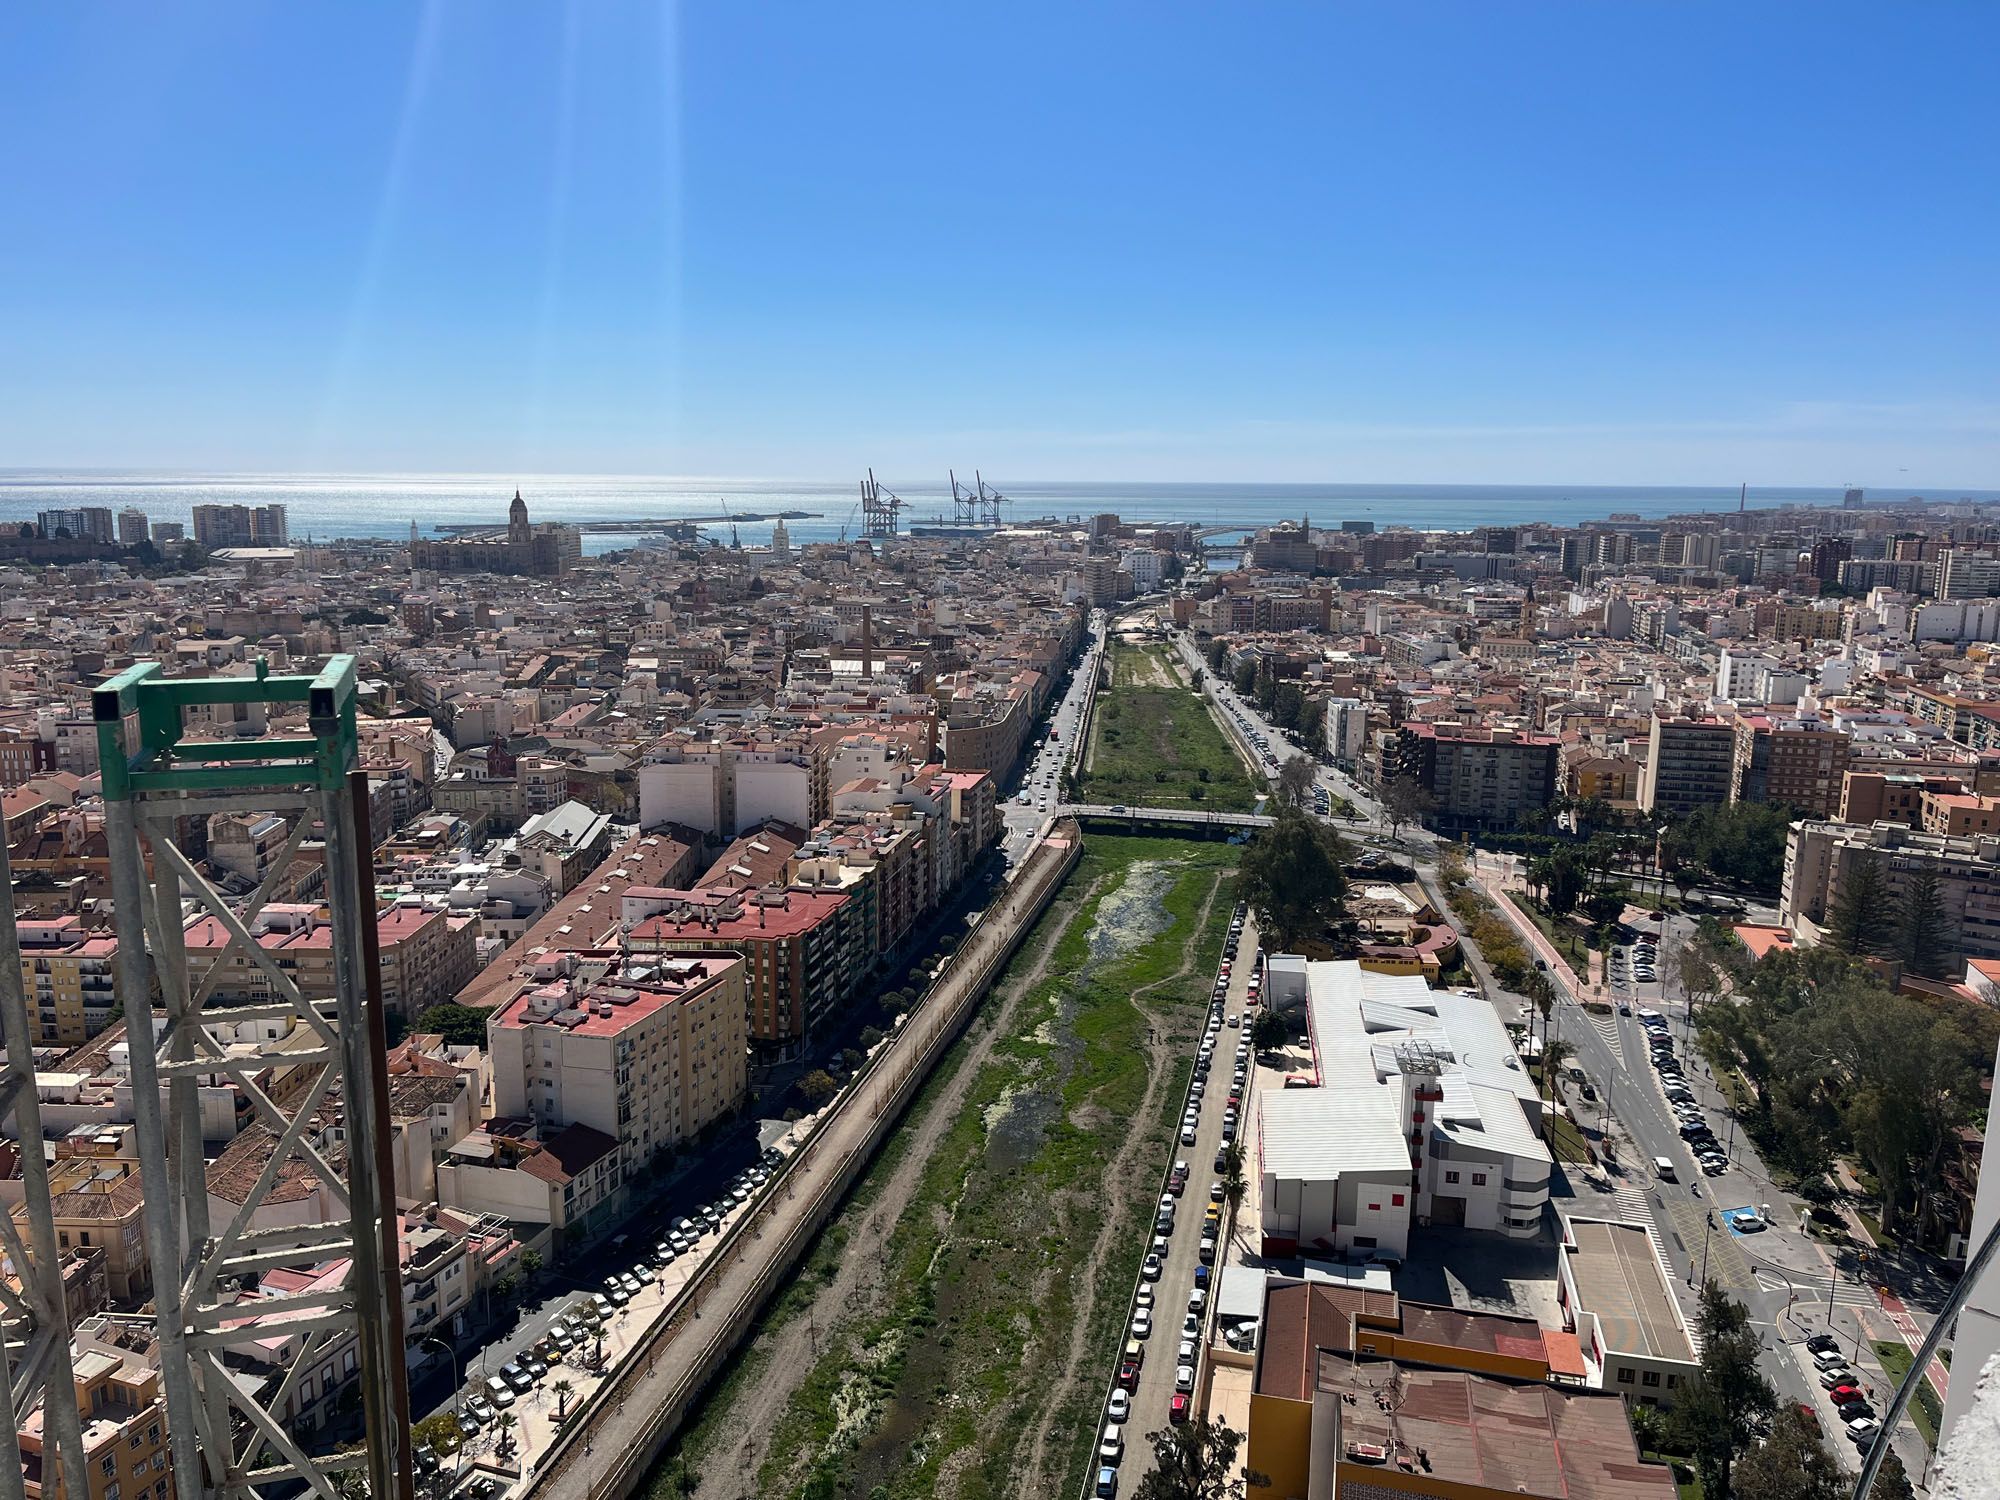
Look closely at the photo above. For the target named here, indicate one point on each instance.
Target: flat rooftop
(1618, 1278)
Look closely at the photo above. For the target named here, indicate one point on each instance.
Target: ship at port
(975, 512)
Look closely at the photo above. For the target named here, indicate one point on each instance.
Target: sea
(322, 506)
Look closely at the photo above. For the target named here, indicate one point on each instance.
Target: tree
(1790, 1464)
(531, 1264)
(1245, 679)
(506, 1422)
(1892, 1480)
(1723, 1408)
(1554, 1055)
(1234, 1188)
(1295, 780)
(460, 1025)
(1193, 1461)
(817, 1087)
(1923, 939)
(439, 1432)
(1404, 801)
(1269, 1030)
(1539, 991)
(1863, 914)
(564, 1390)
(1292, 876)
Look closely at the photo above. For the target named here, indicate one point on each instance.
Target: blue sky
(1572, 243)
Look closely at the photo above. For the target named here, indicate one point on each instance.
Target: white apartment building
(645, 1053)
(1420, 1111)
(722, 789)
(1346, 730)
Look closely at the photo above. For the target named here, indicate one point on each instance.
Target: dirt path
(730, 1473)
(1121, 1178)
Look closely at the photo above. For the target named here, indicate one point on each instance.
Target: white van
(1664, 1167)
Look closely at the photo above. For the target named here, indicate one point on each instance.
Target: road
(1154, 1397)
(1242, 723)
(1033, 800)
(1786, 1280)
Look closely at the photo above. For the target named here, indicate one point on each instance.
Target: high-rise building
(1690, 763)
(267, 526)
(165, 532)
(87, 523)
(1820, 858)
(1828, 553)
(1798, 763)
(1481, 778)
(1851, 500)
(132, 526)
(1968, 575)
(221, 526)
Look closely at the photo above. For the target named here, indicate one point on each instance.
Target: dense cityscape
(1596, 925)
(1051, 752)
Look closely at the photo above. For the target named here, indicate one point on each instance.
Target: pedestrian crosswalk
(1607, 1027)
(1633, 1206)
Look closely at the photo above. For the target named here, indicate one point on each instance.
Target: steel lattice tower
(225, 1441)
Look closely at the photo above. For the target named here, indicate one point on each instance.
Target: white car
(1142, 1324)
(1120, 1408)
(1184, 1378)
(1150, 1269)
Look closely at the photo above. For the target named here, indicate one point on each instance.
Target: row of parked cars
(1843, 1388)
(1694, 1127)
(1145, 1301)
(573, 1335)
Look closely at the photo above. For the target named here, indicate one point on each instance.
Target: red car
(1845, 1395)
(1128, 1374)
(1812, 1419)
(1178, 1412)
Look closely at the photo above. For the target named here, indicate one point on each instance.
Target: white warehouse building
(1421, 1112)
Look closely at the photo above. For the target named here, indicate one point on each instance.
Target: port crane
(990, 500)
(879, 508)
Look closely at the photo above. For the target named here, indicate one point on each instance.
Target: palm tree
(1554, 1055)
(505, 1422)
(563, 1390)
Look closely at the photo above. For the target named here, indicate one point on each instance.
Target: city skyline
(1441, 248)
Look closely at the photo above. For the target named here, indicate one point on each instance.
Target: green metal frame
(164, 762)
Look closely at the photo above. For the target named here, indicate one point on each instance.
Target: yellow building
(1355, 1393)
(124, 1418)
(67, 976)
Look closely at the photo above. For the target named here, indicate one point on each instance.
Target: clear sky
(1573, 243)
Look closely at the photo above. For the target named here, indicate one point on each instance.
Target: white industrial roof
(1367, 1029)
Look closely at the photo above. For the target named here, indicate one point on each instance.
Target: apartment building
(1690, 764)
(1960, 815)
(803, 950)
(1799, 763)
(1481, 778)
(987, 719)
(427, 956)
(721, 788)
(649, 1053)
(68, 974)
(1821, 857)
(123, 1406)
(98, 1205)
(1891, 797)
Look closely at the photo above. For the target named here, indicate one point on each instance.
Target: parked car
(1120, 1408)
